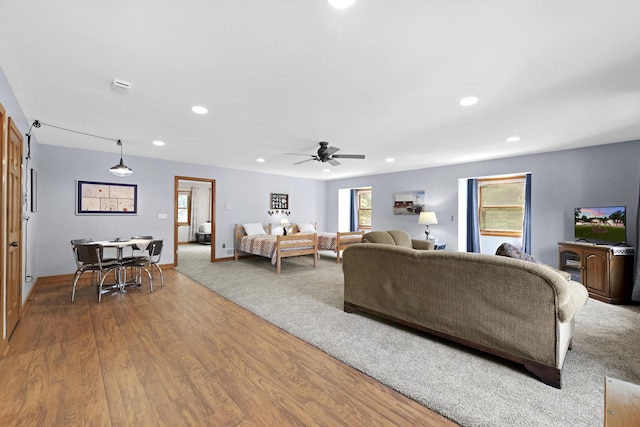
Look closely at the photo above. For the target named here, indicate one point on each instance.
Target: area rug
(464, 385)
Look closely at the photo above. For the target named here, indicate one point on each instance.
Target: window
(184, 207)
(501, 206)
(364, 209)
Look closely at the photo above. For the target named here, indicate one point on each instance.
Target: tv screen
(601, 224)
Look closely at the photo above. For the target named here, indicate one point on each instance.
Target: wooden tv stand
(605, 270)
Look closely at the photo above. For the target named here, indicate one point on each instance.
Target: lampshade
(427, 218)
(284, 221)
(120, 169)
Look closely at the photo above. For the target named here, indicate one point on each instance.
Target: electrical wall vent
(120, 85)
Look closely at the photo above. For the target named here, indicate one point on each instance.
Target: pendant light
(120, 169)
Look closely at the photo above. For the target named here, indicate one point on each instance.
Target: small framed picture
(279, 201)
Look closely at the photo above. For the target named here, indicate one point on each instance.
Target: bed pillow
(305, 227)
(277, 230)
(253, 229)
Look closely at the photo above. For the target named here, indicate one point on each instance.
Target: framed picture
(34, 190)
(279, 201)
(104, 198)
(408, 202)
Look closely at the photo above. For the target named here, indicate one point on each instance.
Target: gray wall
(561, 181)
(247, 193)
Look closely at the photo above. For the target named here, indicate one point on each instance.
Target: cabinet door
(596, 273)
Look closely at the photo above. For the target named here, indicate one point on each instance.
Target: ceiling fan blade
(334, 162)
(303, 161)
(330, 150)
(298, 154)
(349, 156)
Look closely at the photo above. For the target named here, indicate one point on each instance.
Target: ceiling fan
(326, 153)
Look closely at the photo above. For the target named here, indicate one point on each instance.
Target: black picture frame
(279, 201)
(106, 198)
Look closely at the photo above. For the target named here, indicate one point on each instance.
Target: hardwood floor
(179, 356)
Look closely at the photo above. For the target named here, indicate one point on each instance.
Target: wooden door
(13, 251)
(3, 134)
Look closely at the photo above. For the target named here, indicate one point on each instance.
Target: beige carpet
(466, 386)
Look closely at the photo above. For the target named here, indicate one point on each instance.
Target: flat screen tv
(602, 224)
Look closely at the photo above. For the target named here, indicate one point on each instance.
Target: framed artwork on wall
(104, 198)
(279, 201)
(408, 202)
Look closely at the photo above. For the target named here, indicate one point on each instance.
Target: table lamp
(427, 218)
(284, 222)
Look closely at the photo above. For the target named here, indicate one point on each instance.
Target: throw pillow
(304, 227)
(253, 229)
(508, 250)
(277, 230)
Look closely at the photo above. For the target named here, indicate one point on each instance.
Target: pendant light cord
(38, 123)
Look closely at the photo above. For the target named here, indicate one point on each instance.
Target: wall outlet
(453, 218)
(224, 245)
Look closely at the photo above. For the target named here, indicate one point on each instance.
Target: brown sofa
(517, 310)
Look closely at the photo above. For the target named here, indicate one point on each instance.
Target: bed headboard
(241, 233)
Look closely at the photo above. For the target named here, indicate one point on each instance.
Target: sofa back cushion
(391, 237)
(378, 237)
(401, 238)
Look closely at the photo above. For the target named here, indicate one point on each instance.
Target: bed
(336, 242)
(255, 239)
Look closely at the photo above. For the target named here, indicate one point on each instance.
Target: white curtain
(195, 213)
(635, 295)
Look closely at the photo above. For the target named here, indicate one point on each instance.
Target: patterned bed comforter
(265, 245)
(329, 241)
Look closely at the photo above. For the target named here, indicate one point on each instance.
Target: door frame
(176, 183)
(4, 343)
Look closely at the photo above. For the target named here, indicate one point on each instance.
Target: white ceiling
(382, 78)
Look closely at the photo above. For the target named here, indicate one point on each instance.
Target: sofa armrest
(422, 244)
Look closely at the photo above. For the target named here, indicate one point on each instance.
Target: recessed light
(390, 160)
(326, 170)
(198, 109)
(468, 101)
(513, 139)
(260, 160)
(341, 4)
(158, 143)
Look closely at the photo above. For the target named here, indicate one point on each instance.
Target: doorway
(182, 186)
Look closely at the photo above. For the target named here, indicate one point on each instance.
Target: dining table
(119, 244)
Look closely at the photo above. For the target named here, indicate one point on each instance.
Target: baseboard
(68, 278)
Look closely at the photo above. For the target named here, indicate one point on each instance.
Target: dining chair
(135, 249)
(155, 252)
(89, 257)
(146, 261)
(151, 254)
(75, 255)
